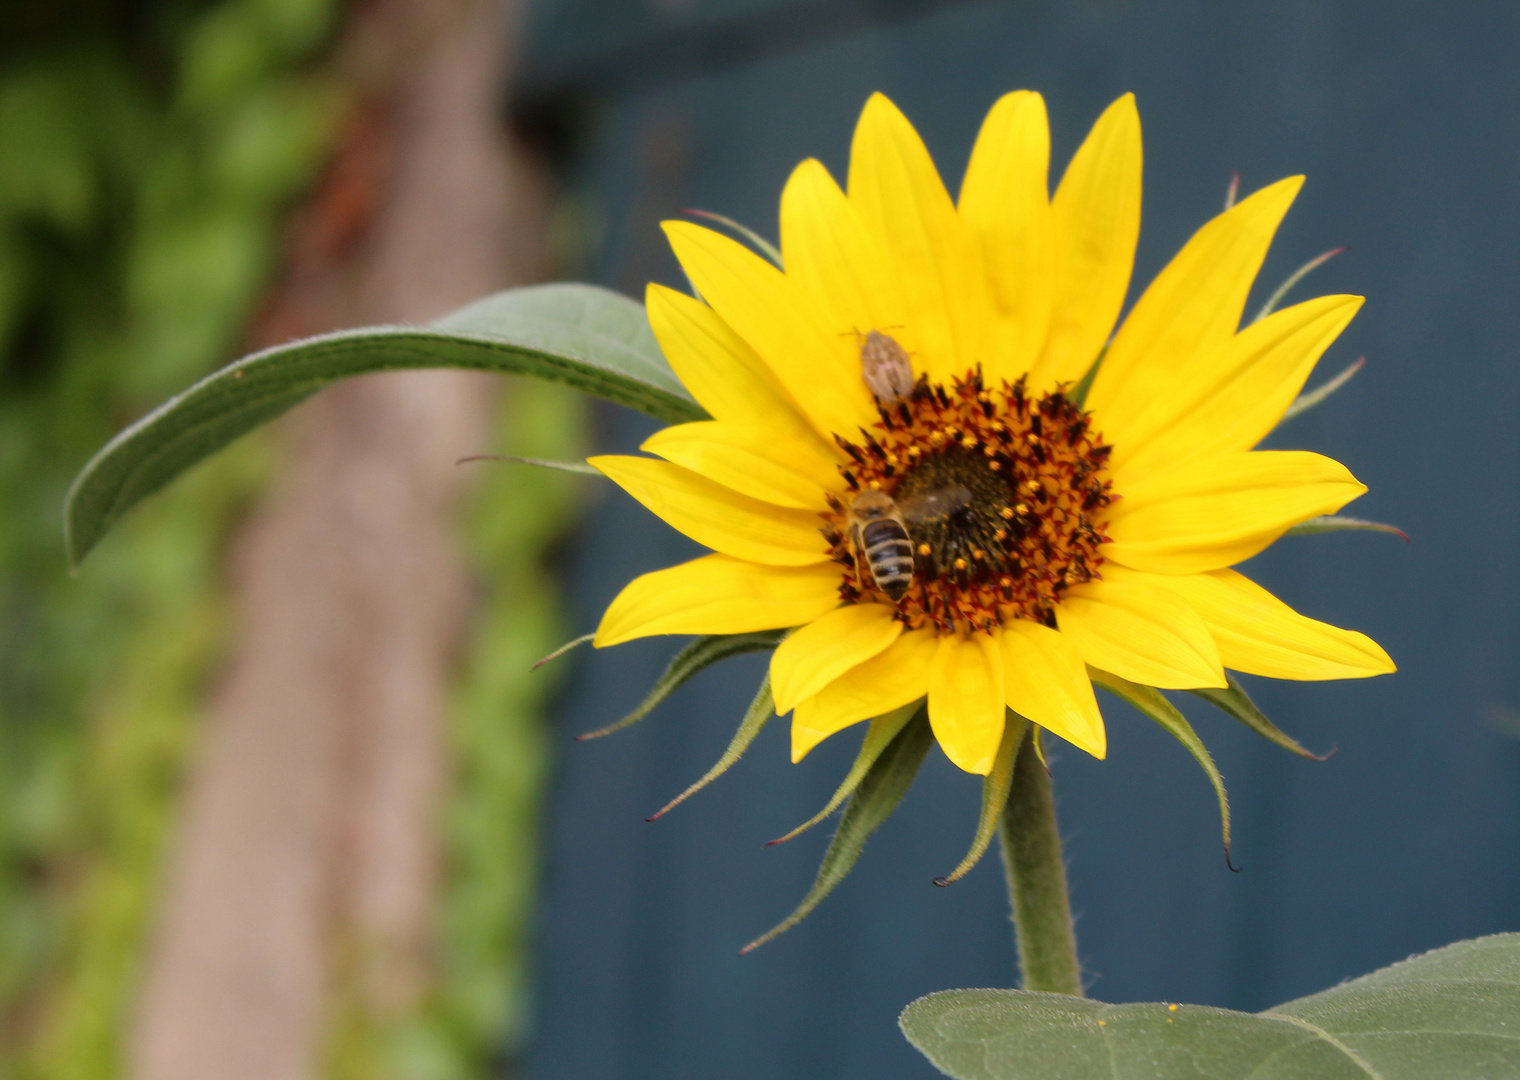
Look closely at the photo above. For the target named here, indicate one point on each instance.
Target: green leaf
(756, 717)
(1304, 402)
(1149, 701)
(1330, 523)
(878, 736)
(882, 788)
(995, 787)
(701, 653)
(1452, 1014)
(580, 335)
(1237, 703)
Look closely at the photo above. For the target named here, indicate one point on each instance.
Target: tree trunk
(308, 839)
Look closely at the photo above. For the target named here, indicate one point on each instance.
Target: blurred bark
(308, 839)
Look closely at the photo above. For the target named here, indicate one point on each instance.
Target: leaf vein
(1321, 1033)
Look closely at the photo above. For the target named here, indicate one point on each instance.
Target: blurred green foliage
(147, 151)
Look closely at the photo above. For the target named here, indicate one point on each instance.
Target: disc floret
(1032, 526)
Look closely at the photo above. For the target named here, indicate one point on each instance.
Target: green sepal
(1150, 702)
(995, 787)
(586, 337)
(576, 643)
(579, 467)
(755, 717)
(1293, 279)
(1078, 394)
(880, 790)
(1237, 703)
(699, 654)
(762, 245)
(879, 734)
(1308, 400)
(1329, 523)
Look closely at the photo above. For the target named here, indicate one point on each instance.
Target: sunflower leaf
(1306, 401)
(580, 335)
(1450, 1013)
(755, 717)
(1149, 701)
(1330, 523)
(995, 787)
(1237, 703)
(880, 790)
(880, 733)
(699, 654)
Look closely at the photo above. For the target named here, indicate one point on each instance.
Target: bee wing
(932, 505)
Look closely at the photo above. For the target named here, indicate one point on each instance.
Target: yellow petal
(1096, 221)
(1141, 632)
(826, 648)
(819, 368)
(1046, 681)
(721, 371)
(1230, 396)
(887, 681)
(900, 197)
(1005, 203)
(1194, 303)
(966, 700)
(1259, 634)
(716, 516)
(1212, 513)
(754, 462)
(831, 254)
(717, 594)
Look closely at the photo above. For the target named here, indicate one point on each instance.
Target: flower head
(932, 453)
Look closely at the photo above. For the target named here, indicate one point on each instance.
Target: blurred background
(279, 797)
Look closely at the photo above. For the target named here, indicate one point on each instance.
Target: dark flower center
(1002, 495)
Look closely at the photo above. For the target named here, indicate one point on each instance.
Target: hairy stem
(1037, 879)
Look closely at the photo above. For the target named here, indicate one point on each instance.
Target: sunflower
(934, 459)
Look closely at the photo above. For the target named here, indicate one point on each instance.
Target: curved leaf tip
(583, 336)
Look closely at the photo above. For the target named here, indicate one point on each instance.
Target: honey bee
(884, 366)
(878, 525)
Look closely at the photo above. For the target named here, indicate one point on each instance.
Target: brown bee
(884, 366)
(878, 526)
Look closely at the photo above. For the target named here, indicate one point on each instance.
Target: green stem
(1037, 879)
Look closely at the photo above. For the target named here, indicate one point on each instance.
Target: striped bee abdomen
(889, 554)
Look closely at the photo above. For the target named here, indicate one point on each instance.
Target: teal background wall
(1405, 117)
